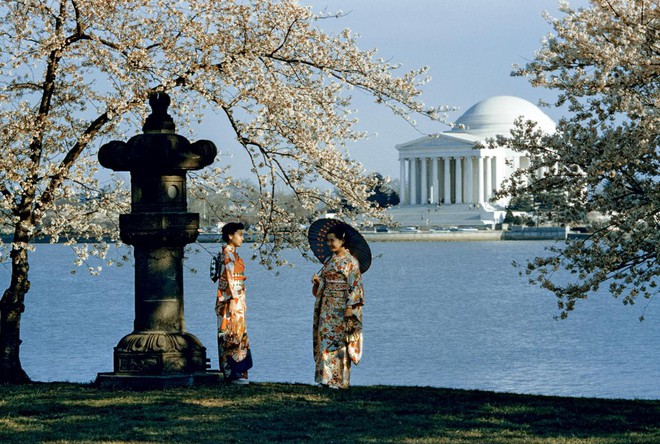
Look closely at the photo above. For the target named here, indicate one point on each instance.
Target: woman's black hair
(340, 233)
(231, 228)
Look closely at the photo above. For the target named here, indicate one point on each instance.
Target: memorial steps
(454, 215)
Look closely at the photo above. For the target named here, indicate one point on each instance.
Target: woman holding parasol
(337, 327)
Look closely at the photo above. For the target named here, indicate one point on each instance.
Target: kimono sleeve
(321, 287)
(354, 280)
(226, 288)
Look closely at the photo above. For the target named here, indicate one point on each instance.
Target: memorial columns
(459, 180)
(435, 187)
(489, 177)
(480, 180)
(469, 198)
(402, 181)
(413, 181)
(447, 190)
(424, 179)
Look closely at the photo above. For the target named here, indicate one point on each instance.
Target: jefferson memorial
(444, 180)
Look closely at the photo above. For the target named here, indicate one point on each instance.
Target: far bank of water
(450, 314)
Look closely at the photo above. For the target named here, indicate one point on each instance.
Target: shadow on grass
(301, 413)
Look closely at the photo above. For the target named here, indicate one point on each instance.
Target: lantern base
(159, 353)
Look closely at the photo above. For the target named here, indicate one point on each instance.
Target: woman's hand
(315, 284)
(348, 312)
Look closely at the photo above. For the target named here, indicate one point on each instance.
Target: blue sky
(468, 45)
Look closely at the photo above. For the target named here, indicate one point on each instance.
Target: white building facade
(445, 168)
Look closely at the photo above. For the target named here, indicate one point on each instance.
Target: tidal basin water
(453, 314)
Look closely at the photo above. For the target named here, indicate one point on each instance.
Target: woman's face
(236, 239)
(335, 243)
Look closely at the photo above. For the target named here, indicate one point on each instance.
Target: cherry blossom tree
(75, 74)
(384, 195)
(604, 61)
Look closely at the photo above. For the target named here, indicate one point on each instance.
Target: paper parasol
(357, 245)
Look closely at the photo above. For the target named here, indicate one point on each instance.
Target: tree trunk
(11, 309)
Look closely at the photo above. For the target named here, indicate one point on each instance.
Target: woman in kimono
(233, 343)
(337, 325)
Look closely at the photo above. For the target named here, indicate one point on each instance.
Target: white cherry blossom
(603, 160)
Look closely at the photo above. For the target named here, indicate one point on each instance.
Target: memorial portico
(445, 168)
(446, 179)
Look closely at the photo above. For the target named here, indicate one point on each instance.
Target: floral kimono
(233, 343)
(338, 341)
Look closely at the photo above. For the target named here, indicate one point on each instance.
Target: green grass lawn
(264, 412)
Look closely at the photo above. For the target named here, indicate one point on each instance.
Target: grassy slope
(64, 412)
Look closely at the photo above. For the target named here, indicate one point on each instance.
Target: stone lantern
(159, 352)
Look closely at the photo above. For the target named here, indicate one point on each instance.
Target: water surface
(446, 314)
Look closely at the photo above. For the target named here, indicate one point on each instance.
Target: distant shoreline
(519, 233)
(429, 236)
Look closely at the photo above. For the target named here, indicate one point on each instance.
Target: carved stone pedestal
(158, 360)
(155, 353)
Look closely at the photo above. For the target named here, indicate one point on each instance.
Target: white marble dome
(496, 115)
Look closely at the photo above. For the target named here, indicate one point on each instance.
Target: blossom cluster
(604, 61)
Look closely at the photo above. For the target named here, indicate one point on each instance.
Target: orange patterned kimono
(233, 343)
(338, 341)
